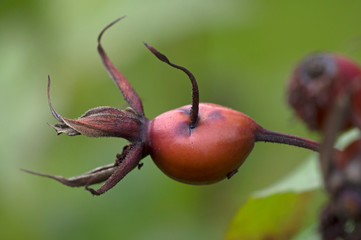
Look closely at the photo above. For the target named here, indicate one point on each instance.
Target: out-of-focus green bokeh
(241, 52)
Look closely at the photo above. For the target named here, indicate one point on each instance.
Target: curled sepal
(63, 128)
(100, 122)
(97, 175)
(129, 94)
(128, 160)
(111, 174)
(103, 122)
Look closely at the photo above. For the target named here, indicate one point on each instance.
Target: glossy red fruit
(213, 150)
(316, 83)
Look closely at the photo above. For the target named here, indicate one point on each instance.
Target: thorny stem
(195, 91)
(264, 135)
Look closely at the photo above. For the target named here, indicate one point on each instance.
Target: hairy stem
(264, 135)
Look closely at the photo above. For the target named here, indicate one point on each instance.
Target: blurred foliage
(278, 216)
(283, 209)
(241, 53)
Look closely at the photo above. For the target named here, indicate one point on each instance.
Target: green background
(241, 52)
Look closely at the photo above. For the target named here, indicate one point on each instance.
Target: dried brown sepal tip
(61, 127)
(95, 176)
(111, 173)
(195, 92)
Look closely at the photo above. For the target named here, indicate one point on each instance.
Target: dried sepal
(105, 124)
(129, 94)
(104, 121)
(95, 176)
(131, 157)
(100, 122)
(111, 173)
(63, 128)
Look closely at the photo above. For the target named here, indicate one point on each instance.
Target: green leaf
(278, 216)
(306, 177)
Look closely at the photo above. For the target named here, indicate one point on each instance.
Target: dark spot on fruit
(185, 110)
(183, 129)
(216, 114)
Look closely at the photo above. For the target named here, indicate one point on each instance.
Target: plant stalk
(264, 135)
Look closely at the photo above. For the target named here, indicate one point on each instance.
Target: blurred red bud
(315, 85)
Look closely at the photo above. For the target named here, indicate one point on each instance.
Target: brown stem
(195, 91)
(264, 135)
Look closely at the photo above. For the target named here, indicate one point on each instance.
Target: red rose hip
(208, 153)
(200, 143)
